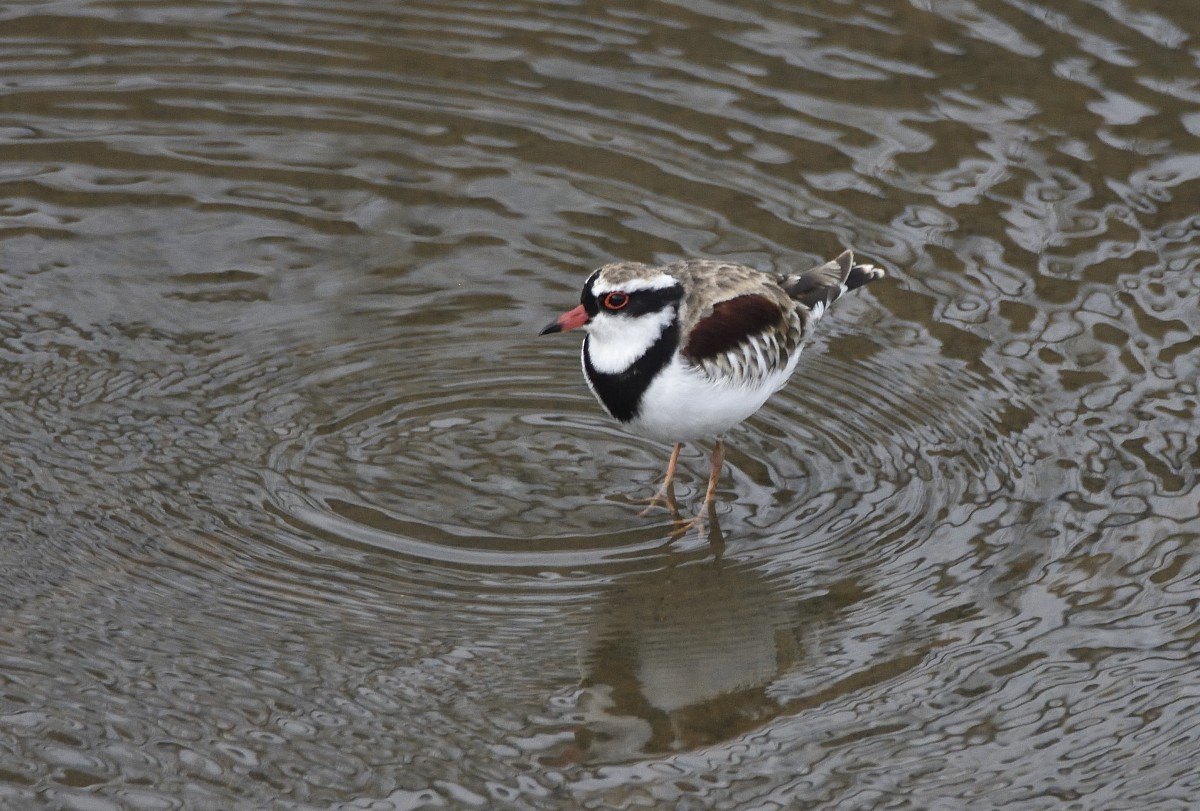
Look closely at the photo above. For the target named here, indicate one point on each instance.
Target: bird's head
(625, 307)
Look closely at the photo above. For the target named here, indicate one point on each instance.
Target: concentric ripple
(298, 512)
(466, 468)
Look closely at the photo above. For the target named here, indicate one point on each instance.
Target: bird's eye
(615, 300)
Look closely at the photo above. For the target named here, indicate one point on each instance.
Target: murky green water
(298, 513)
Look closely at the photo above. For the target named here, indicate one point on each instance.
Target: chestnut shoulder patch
(730, 323)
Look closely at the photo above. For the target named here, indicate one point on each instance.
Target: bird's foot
(706, 525)
(665, 496)
(684, 525)
(666, 491)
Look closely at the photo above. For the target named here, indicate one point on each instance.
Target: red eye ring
(615, 300)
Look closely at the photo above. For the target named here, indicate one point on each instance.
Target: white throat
(614, 343)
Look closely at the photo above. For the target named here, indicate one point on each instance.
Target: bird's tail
(825, 284)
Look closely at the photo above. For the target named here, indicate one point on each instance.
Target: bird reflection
(684, 658)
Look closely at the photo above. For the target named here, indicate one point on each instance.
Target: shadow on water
(692, 656)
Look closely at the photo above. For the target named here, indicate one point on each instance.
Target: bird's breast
(683, 403)
(621, 387)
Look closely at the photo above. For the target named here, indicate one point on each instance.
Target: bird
(685, 351)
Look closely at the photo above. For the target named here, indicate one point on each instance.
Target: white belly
(682, 403)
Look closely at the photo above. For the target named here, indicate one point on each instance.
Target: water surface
(299, 513)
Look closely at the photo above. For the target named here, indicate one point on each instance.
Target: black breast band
(621, 393)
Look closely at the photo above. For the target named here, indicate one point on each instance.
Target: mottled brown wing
(743, 338)
(730, 324)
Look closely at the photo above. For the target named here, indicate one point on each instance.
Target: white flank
(682, 403)
(615, 342)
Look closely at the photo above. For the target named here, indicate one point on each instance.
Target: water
(299, 513)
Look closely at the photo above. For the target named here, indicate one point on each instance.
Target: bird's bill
(567, 321)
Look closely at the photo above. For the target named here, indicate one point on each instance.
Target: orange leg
(714, 478)
(667, 491)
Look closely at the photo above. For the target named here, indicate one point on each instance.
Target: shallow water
(300, 514)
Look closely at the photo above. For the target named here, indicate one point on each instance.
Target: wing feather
(744, 337)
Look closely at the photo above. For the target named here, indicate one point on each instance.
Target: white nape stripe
(656, 282)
